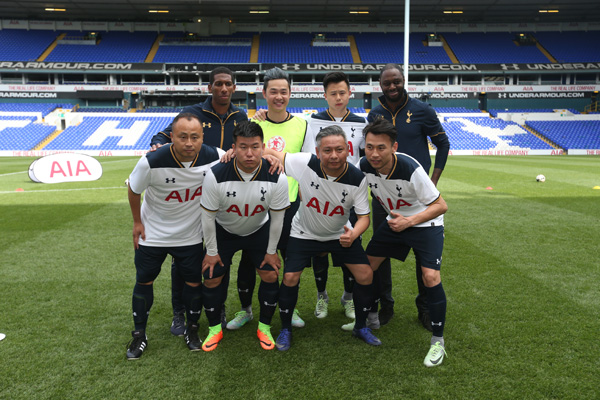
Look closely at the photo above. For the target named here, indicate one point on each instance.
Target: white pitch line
(14, 173)
(63, 190)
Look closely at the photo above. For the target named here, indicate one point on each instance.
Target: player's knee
(291, 279)
(214, 282)
(431, 277)
(363, 274)
(145, 283)
(268, 276)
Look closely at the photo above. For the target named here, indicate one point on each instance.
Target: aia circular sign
(276, 143)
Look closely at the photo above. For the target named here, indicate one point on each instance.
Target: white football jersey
(171, 207)
(407, 190)
(242, 206)
(352, 125)
(326, 204)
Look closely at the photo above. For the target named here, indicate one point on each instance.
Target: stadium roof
(336, 11)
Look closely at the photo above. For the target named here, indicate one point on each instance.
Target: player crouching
(243, 209)
(415, 220)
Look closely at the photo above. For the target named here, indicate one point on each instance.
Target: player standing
(168, 222)
(248, 204)
(219, 117)
(330, 187)
(337, 94)
(414, 122)
(415, 208)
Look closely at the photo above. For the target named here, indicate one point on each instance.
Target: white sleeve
(210, 204)
(361, 202)
(139, 179)
(295, 164)
(275, 230)
(210, 232)
(210, 192)
(425, 190)
(309, 139)
(281, 197)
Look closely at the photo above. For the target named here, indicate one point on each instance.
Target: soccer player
(219, 117)
(414, 122)
(241, 195)
(330, 187)
(283, 132)
(337, 93)
(168, 222)
(415, 220)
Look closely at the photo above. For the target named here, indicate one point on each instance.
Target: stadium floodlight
(55, 9)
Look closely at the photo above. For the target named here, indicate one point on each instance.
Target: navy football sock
(192, 296)
(321, 271)
(436, 302)
(376, 291)
(245, 286)
(268, 293)
(363, 300)
(288, 296)
(141, 303)
(348, 280)
(212, 304)
(177, 283)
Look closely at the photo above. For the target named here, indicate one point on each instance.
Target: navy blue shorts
(253, 245)
(427, 243)
(300, 252)
(148, 261)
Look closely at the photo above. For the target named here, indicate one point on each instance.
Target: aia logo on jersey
(245, 211)
(276, 143)
(390, 204)
(181, 196)
(325, 208)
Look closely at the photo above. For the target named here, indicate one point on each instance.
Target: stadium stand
(494, 111)
(112, 47)
(20, 133)
(44, 108)
(456, 110)
(568, 47)
(296, 48)
(389, 47)
(161, 110)
(491, 48)
(214, 49)
(110, 133)
(570, 134)
(482, 133)
(24, 45)
(101, 109)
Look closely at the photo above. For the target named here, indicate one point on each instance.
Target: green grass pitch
(520, 269)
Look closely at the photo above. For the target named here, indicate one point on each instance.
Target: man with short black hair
(243, 209)
(337, 93)
(219, 117)
(168, 222)
(283, 132)
(414, 122)
(330, 188)
(415, 220)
